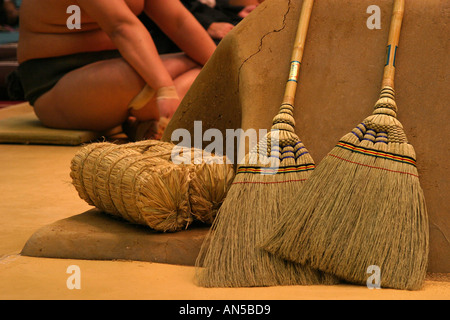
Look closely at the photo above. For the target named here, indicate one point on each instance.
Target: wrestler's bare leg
(96, 97)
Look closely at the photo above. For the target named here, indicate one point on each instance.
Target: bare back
(44, 32)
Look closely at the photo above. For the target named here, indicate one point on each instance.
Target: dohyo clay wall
(340, 78)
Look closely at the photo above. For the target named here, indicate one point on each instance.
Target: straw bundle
(209, 185)
(363, 205)
(91, 166)
(139, 183)
(161, 196)
(230, 256)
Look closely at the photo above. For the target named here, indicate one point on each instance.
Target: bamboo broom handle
(284, 120)
(394, 36)
(297, 53)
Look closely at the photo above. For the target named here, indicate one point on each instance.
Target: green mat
(27, 129)
(9, 37)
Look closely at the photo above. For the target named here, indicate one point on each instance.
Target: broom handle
(297, 53)
(284, 120)
(394, 36)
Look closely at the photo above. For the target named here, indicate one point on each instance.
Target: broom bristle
(363, 206)
(230, 255)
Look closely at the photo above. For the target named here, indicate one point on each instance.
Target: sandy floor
(35, 190)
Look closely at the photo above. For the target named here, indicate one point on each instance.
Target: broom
(229, 256)
(363, 205)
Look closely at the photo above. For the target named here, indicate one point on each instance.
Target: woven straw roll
(161, 196)
(139, 183)
(77, 171)
(125, 170)
(211, 179)
(92, 165)
(208, 189)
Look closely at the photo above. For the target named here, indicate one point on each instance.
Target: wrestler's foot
(145, 130)
(140, 130)
(116, 135)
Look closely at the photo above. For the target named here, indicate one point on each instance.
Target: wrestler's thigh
(94, 97)
(178, 63)
(184, 82)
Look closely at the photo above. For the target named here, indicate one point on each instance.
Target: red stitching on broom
(365, 165)
(274, 182)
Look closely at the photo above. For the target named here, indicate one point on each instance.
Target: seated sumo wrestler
(108, 71)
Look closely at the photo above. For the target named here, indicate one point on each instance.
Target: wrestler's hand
(218, 30)
(167, 107)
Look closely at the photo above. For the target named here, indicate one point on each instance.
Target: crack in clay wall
(262, 41)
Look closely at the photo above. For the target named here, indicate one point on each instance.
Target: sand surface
(36, 190)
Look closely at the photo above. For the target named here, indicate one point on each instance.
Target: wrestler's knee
(48, 115)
